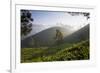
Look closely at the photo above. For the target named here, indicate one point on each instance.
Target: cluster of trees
(59, 37)
(86, 14)
(26, 22)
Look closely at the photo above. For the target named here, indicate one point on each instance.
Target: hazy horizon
(47, 19)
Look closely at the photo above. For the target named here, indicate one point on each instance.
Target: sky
(51, 18)
(47, 19)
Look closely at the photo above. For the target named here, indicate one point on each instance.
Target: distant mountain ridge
(46, 37)
(81, 34)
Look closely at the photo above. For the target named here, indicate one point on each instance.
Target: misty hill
(80, 35)
(45, 37)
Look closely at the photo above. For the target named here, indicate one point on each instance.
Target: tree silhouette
(86, 14)
(26, 22)
(59, 37)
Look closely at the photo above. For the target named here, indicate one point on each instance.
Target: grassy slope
(78, 51)
(45, 37)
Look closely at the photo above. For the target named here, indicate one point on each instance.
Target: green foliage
(59, 37)
(64, 52)
(26, 19)
(76, 52)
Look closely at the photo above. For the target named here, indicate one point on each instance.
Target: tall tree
(26, 22)
(59, 37)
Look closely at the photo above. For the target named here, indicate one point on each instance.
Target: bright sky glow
(46, 19)
(49, 18)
